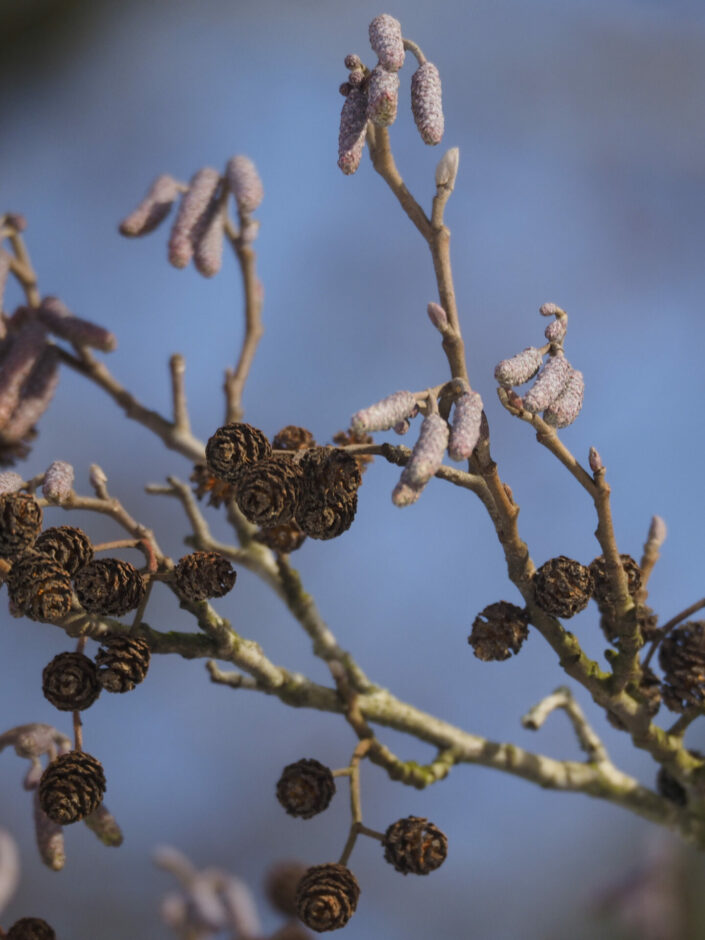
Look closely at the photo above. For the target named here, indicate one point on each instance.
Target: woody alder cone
(415, 846)
(233, 447)
(20, 523)
(204, 574)
(602, 591)
(285, 538)
(329, 494)
(562, 587)
(109, 586)
(123, 663)
(292, 437)
(268, 491)
(327, 896)
(67, 545)
(39, 588)
(70, 682)
(682, 658)
(305, 788)
(498, 631)
(31, 928)
(71, 787)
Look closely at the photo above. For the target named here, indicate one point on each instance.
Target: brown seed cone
(562, 587)
(71, 787)
(205, 484)
(39, 588)
(415, 846)
(68, 546)
(498, 631)
(330, 471)
(293, 437)
(682, 658)
(233, 447)
(20, 523)
(323, 520)
(70, 682)
(109, 586)
(285, 538)
(342, 438)
(269, 491)
(124, 662)
(281, 883)
(305, 788)
(327, 896)
(648, 693)
(602, 591)
(204, 574)
(31, 928)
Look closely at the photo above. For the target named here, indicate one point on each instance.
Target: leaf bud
(447, 168)
(595, 460)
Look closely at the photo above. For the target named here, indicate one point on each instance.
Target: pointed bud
(384, 414)
(50, 838)
(549, 384)
(427, 455)
(386, 41)
(465, 430)
(35, 396)
(555, 331)
(10, 482)
(353, 131)
(566, 408)
(153, 209)
(58, 482)
(97, 477)
(353, 61)
(595, 460)
(208, 248)
(519, 368)
(244, 183)
(657, 531)
(447, 168)
(102, 822)
(382, 96)
(426, 103)
(193, 211)
(58, 318)
(438, 317)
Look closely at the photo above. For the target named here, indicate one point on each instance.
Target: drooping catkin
(35, 396)
(549, 384)
(520, 368)
(387, 42)
(465, 429)
(57, 317)
(427, 103)
(353, 131)
(382, 96)
(244, 183)
(192, 212)
(427, 455)
(153, 209)
(566, 408)
(384, 414)
(208, 244)
(10, 482)
(58, 482)
(25, 348)
(49, 837)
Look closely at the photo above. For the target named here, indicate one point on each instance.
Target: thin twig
(177, 367)
(563, 698)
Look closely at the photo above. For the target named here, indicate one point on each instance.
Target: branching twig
(586, 735)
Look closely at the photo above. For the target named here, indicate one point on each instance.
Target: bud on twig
(244, 183)
(426, 103)
(386, 41)
(657, 531)
(192, 213)
(353, 131)
(549, 385)
(566, 408)
(519, 368)
(58, 482)
(551, 310)
(382, 97)
(49, 836)
(465, 430)
(447, 168)
(384, 414)
(595, 460)
(57, 317)
(438, 317)
(153, 209)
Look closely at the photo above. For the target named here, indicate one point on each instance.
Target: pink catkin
(102, 822)
(384, 414)
(555, 331)
(549, 384)
(35, 396)
(58, 482)
(427, 104)
(566, 408)
(519, 368)
(353, 131)
(57, 317)
(194, 208)
(208, 248)
(244, 183)
(49, 836)
(404, 495)
(153, 209)
(387, 42)
(465, 429)
(427, 455)
(382, 97)
(10, 482)
(24, 351)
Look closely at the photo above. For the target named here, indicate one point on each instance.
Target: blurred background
(582, 181)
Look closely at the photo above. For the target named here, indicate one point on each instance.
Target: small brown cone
(109, 586)
(67, 545)
(71, 787)
(682, 658)
(498, 631)
(233, 447)
(20, 523)
(204, 574)
(70, 682)
(292, 437)
(206, 484)
(39, 588)
(284, 538)
(602, 591)
(328, 500)
(31, 928)
(415, 846)
(268, 491)
(123, 663)
(305, 788)
(327, 897)
(562, 587)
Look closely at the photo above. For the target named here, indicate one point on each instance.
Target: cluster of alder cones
(30, 928)
(327, 895)
(290, 487)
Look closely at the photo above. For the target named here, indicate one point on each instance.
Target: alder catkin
(10, 482)
(387, 42)
(208, 242)
(193, 210)
(426, 103)
(520, 368)
(57, 317)
(5, 258)
(244, 183)
(382, 96)
(58, 482)
(550, 383)
(566, 407)
(25, 348)
(49, 836)
(353, 131)
(384, 414)
(465, 428)
(427, 455)
(35, 396)
(153, 209)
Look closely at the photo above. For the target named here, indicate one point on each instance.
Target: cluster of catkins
(202, 218)
(290, 488)
(372, 95)
(327, 895)
(558, 389)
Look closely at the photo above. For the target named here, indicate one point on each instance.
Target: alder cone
(328, 503)
(327, 897)
(269, 490)
(205, 484)
(67, 545)
(204, 574)
(682, 658)
(109, 586)
(325, 520)
(31, 928)
(562, 586)
(305, 788)
(284, 538)
(602, 591)
(71, 787)
(70, 682)
(123, 663)
(20, 523)
(292, 437)
(498, 631)
(415, 846)
(234, 447)
(39, 588)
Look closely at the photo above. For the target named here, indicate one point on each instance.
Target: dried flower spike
(498, 631)
(550, 383)
(70, 682)
(193, 212)
(415, 846)
(123, 662)
(153, 209)
(25, 348)
(382, 97)
(71, 787)
(58, 482)
(244, 183)
(465, 428)
(385, 414)
(426, 103)
(562, 586)
(520, 368)
(327, 896)
(352, 131)
(387, 42)
(305, 788)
